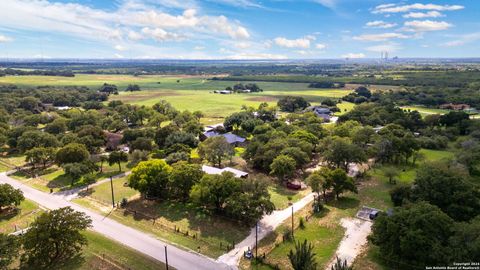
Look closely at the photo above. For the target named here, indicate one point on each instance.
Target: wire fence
(166, 226)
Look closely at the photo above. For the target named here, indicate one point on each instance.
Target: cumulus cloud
(380, 24)
(421, 15)
(160, 35)
(320, 46)
(426, 26)
(353, 55)
(393, 8)
(127, 21)
(380, 37)
(5, 39)
(303, 43)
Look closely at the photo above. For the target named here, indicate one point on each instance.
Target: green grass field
(28, 210)
(212, 230)
(279, 195)
(424, 111)
(104, 253)
(103, 191)
(185, 92)
(100, 253)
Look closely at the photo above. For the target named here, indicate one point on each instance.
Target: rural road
(142, 242)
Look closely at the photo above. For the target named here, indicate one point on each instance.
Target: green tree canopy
(182, 178)
(10, 196)
(415, 235)
(151, 178)
(283, 167)
(72, 153)
(215, 149)
(54, 238)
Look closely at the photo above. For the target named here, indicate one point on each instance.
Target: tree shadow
(344, 203)
(9, 213)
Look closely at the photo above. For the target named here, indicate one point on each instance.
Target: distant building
(321, 112)
(213, 170)
(230, 137)
(455, 107)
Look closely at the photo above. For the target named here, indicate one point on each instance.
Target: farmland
(193, 93)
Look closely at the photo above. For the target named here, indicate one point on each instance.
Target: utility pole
(293, 228)
(113, 197)
(166, 258)
(256, 241)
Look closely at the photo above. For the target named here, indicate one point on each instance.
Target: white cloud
(199, 48)
(5, 39)
(421, 15)
(132, 35)
(242, 45)
(426, 26)
(327, 3)
(389, 47)
(320, 46)
(379, 37)
(119, 56)
(126, 21)
(240, 3)
(462, 40)
(256, 56)
(160, 35)
(120, 48)
(393, 8)
(380, 24)
(353, 55)
(303, 43)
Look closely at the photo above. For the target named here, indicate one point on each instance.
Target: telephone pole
(113, 197)
(292, 224)
(166, 258)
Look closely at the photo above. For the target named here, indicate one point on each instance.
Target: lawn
(101, 252)
(281, 196)
(13, 160)
(3, 168)
(212, 233)
(55, 178)
(344, 107)
(424, 111)
(27, 211)
(104, 253)
(323, 230)
(103, 192)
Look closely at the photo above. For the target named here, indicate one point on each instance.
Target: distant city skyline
(238, 30)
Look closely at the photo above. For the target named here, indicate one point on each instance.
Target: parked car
(294, 186)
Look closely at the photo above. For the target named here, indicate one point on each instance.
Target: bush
(301, 223)
(287, 234)
(123, 202)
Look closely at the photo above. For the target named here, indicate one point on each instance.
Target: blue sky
(238, 29)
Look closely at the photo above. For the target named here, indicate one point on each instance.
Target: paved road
(132, 238)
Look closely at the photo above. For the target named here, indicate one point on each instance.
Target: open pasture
(185, 92)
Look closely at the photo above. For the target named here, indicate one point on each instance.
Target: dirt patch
(263, 99)
(355, 239)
